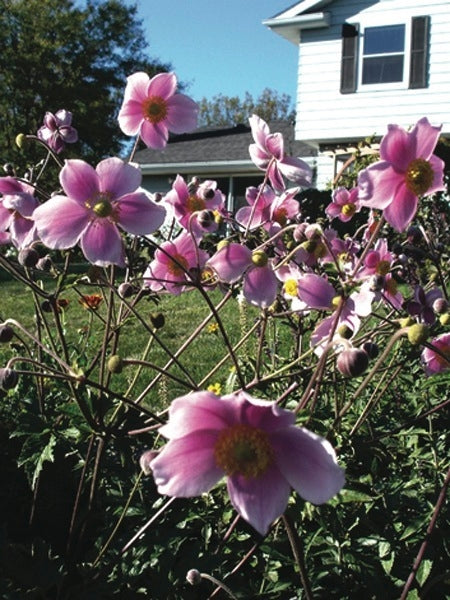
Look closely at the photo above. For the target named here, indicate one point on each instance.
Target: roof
(302, 15)
(217, 148)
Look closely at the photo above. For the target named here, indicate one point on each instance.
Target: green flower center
(259, 258)
(155, 109)
(243, 450)
(103, 208)
(419, 176)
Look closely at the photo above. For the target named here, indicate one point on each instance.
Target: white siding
(326, 115)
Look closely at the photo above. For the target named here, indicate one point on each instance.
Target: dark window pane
(384, 40)
(382, 69)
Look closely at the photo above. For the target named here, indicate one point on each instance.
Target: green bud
(157, 319)
(22, 141)
(115, 364)
(444, 319)
(417, 334)
(406, 322)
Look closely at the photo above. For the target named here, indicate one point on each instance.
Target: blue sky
(221, 46)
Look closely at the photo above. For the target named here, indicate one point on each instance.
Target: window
(383, 54)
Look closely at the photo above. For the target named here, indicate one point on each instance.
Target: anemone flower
(407, 169)
(254, 444)
(16, 208)
(268, 209)
(96, 202)
(344, 204)
(436, 357)
(268, 154)
(234, 261)
(151, 108)
(57, 130)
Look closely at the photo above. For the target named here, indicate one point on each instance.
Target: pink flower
(16, 208)
(57, 130)
(189, 203)
(96, 202)
(252, 442)
(268, 154)
(267, 209)
(407, 169)
(175, 264)
(436, 357)
(151, 109)
(422, 305)
(234, 261)
(344, 204)
(377, 262)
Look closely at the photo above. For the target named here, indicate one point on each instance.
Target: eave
(229, 167)
(290, 28)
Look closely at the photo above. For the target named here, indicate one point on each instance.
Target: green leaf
(423, 571)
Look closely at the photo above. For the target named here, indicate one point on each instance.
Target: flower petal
(163, 85)
(102, 245)
(230, 262)
(154, 135)
(296, 170)
(79, 180)
(260, 500)
(378, 185)
(186, 466)
(139, 215)
(130, 117)
(308, 462)
(315, 291)
(118, 177)
(402, 210)
(260, 286)
(425, 137)
(182, 114)
(60, 222)
(398, 148)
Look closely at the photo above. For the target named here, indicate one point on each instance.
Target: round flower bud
(125, 290)
(352, 362)
(209, 194)
(345, 331)
(115, 364)
(6, 334)
(28, 257)
(440, 305)
(259, 258)
(417, 334)
(444, 319)
(193, 576)
(45, 264)
(8, 378)
(222, 244)
(22, 141)
(46, 306)
(157, 319)
(205, 218)
(371, 348)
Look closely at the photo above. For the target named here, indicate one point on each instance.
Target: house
(363, 64)
(220, 154)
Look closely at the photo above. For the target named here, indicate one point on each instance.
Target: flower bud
(115, 364)
(8, 378)
(371, 348)
(205, 218)
(22, 141)
(440, 305)
(46, 306)
(352, 362)
(406, 322)
(259, 258)
(345, 331)
(209, 194)
(125, 290)
(158, 320)
(193, 576)
(45, 264)
(28, 257)
(222, 244)
(9, 169)
(417, 334)
(444, 319)
(6, 334)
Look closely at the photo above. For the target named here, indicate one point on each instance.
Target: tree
(73, 55)
(222, 110)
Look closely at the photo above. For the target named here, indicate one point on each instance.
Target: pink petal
(259, 156)
(296, 170)
(130, 117)
(186, 466)
(230, 262)
(315, 291)
(6, 217)
(275, 176)
(243, 217)
(137, 87)
(308, 462)
(118, 177)
(402, 209)
(438, 166)
(260, 130)
(275, 145)
(260, 500)
(9, 185)
(102, 245)
(154, 135)
(79, 180)
(138, 214)
(262, 414)
(163, 85)
(60, 222)
(23, 232)
(64, 117)
(182, 114)
(260, 286)
(398, 148)
(198, 411)
(378, 185)
(425, 138)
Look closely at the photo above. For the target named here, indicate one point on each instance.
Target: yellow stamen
(243, 450)
(194, 203)
(383, 267)
(177, 265)
(290, 287)
(154, 109)
(348, 210)
(419, 176)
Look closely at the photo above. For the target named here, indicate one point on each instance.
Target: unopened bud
(28, 257)
(9, 169)
(158, 320)
(418, 334)
(6, 334)
(45, 264)
(193, 576)
(205, 218)
(46, 306)
(259, 258)
(353, 362)
(371, 348)
(222, 244)
(115, 364)
(440, 305)
(22, 141)
(345, 331)
(444, 319)
(8, 378)
(125, 290)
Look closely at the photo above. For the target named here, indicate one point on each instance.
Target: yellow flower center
(194, 203)
(259, 258)
(280, 216)
(419, 176)
(177, 265)
(348, 210)
(243, 450)
(383, 267)
(290, 287)
(154, 109)
(103, 208)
